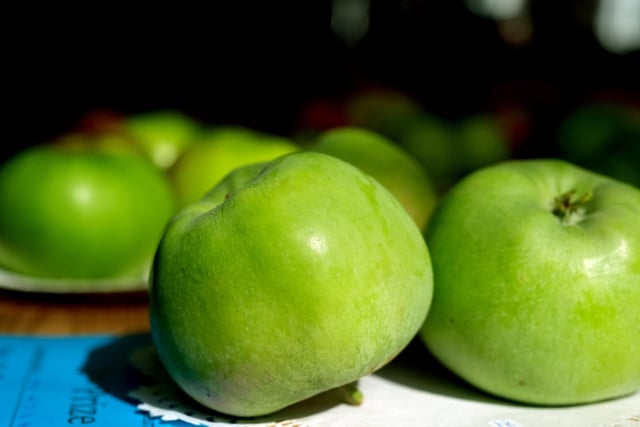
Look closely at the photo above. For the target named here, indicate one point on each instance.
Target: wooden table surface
(45, 314)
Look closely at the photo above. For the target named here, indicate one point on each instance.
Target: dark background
(259, 63)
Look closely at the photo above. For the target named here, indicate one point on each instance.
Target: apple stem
(352, 395)
(567, 206)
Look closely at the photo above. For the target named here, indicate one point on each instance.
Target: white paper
(405, 393)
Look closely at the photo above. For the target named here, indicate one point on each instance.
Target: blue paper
(69, 381)
(88, 381)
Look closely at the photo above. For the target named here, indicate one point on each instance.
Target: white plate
(20, 282)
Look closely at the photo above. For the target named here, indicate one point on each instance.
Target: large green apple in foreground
(219, 151)
(537, 283)
(297, 277)
(81, 213)
(393, 167)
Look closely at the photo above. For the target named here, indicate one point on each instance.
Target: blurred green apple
(380, 109)
(605, 137)
(109, 140)
(286, 280)
(624, 165)
(480, 141)
(586, 135)
(430, 140)
(219, 151)
(100, 130)
(537, 283)
(73, 211)
(162, 134)
(394, 168)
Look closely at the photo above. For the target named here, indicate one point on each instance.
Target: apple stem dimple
(568, 207)
(352, 395)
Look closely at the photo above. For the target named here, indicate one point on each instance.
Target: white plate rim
(20, 282)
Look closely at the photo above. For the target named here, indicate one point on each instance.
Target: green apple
(537, 283)
(105, 140)
(425, 136)
(604, 137)
(588, 132)
(100, 130)
(286, 280)
(162, 134)
(81, 213)
(431, 141)
(380, 109)
(624, 165)
(234, 181)
(480, 141)
(218, 152)
(393, 167)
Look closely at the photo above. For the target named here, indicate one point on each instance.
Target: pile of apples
(446, 148)
(93, 203)
(280, 269)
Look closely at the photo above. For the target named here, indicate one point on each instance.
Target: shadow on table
(415, 367)
(110, 367)
(128, 368)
